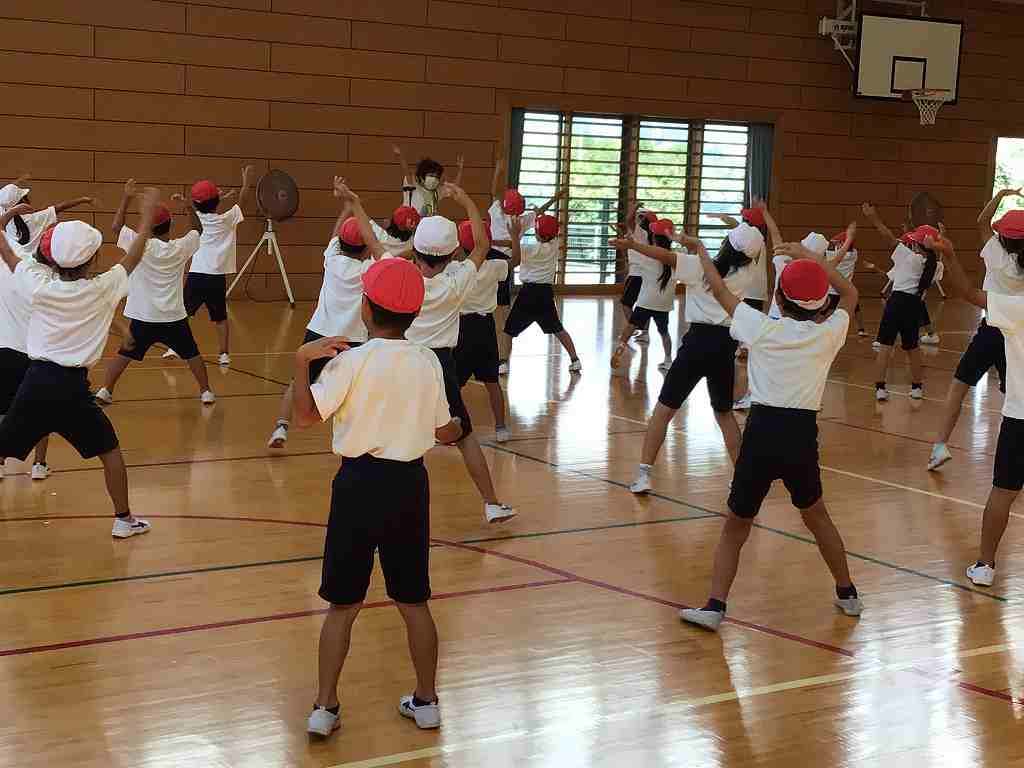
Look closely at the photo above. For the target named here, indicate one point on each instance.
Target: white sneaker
(876, 346)
(323, 723)
(930, 338)
(916, 393)
(642, 484)
(981, 574)
(104, 396)
(40, 471)
(575, 366)
(128, 527)
(208, 398)
(851, 606)
(702, 618)
(665, 366)
(940, 455)
(278, 437)
(498, 513)
(743, 404)
(426, 715)
(502, 435)
(169, 354)
(643, 337)
(224, 359)
(881, 395)
(503, 368)
(862, 333)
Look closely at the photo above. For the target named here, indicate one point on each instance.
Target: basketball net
(929, 101)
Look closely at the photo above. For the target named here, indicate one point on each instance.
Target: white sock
(645, 469)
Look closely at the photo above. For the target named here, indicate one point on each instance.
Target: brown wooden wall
(168, 92)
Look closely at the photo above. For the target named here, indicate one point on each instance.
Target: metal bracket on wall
(843, 28)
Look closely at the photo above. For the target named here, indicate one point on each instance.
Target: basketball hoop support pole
(843, 28)
(270, 238)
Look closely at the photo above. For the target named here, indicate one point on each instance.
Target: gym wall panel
(168, 91)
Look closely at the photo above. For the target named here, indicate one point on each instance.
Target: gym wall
(168, 92)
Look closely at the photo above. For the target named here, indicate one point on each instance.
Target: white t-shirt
(789, 359)
(701, 304)
(70, 318)
(759, 277)
(907, 268)
(386, 399)
(483, 295)
(1002, 275)
(38, 222)
(499, 224)
(15, 313)
(155, 286)
(1007, 314)
(844, 267)
(437, 324)
(216, 254)
(339, 309)
(637, 261)
(539, 261)
(391, 243)
(779, 262)
(651, 295)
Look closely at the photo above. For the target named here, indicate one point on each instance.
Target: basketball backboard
(900, 53)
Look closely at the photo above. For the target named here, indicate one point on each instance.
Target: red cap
(651, 216)
(406, 218)
(349, 232)
(546, 227)
(663, 227)
(513, 203)
(44, 244)
(907, 237)
(753, 216)
(202, 191)
(1011, 225)
(466, 239)
(922, 233)
(161, 215)
(394, 284)
(805, 283)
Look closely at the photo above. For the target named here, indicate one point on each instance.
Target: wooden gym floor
(195, 645)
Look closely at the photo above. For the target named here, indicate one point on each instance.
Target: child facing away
(424, 192)
(216, 258)
(23, 232)
(386, 401)
(156, 304)
(789, 362)
(68, 327)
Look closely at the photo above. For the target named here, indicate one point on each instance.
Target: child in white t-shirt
(1006, 313)
(208, 276)
(538, 264)
(422, 189)
(156, 305)
(789, 362)
(637, 227)
(23, 232)
(337, 313)
(397, 235)
(386, 401)
(447, 285)
(476, 353)
(70, 319)
(656, 297)
(1003, 256)
(843, 256)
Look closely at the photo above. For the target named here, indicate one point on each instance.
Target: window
(686, 171)
(1009, 170)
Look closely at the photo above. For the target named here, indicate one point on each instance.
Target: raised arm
(122, 209)
(480, 243)
(304, 410)
(247, 173)
(769, 221)
(851, 233)
(848, 295)
(23, 179)
(402, 163)
(959, 283)
(515, 233)
(726, 219)
(872, 215)
(557, 196)
(460, 163)
(68, 204)
(496, 184)
(147, 208)
(985, 217)
(351, 203)
(663, 255)
(10, 258)
(630, 225)
(719, 289)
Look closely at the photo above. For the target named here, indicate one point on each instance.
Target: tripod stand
(272, 250)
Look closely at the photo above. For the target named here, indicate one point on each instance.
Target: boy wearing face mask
(424, 194)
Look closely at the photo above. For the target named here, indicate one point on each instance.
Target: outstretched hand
(455, 192)
(515, 227)
(868, 209)
(129, 188)
(330, 346)
(620, 243)
(342, 192)
(796, 251)
(22, 209)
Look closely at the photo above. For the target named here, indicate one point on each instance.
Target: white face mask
(432, 182)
